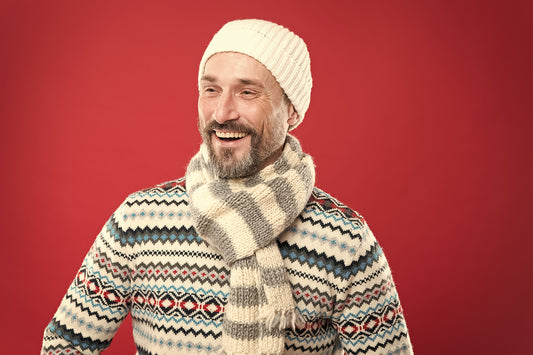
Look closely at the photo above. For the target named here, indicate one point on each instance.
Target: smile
(230, 135)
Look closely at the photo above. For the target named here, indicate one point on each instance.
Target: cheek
(258, 116)
(205, 108)
(278, 120)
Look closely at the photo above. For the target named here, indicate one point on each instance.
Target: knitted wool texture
(149, 262)
(243, 218)
(281, 51)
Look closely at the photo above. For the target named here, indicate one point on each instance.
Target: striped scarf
(243, 218)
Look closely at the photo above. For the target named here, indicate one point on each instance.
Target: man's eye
(248, 93)
(209, 91)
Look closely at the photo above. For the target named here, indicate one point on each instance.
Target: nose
(226, 109)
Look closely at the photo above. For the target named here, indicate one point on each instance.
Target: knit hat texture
(281, 51)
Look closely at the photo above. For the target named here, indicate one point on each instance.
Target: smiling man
(244, 255)
(244, 115)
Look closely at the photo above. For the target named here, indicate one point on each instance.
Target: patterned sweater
(148, 260)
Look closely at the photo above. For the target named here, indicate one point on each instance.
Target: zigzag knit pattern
(149, 261)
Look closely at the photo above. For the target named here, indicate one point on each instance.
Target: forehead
(231, 66)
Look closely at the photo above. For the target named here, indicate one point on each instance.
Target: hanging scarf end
(284, 319)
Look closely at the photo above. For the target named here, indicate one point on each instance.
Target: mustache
(229, 126)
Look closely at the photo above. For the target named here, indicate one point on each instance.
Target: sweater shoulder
(330, 227)
(173, 188)
(326, 243)
(165, 199)
(323, 206)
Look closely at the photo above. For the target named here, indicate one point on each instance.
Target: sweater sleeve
(98, 299)
(368, 316)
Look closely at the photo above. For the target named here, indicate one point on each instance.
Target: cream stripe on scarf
(243, 218)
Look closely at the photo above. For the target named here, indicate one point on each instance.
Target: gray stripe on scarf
(249, 263)
(285, 197)
(273, 276)
(305, 171)
(305, 174)
(195, 165)
(281, 166)
(293, 143)
(243, 203)
(247, 296)
(219, 238)
(249, 331)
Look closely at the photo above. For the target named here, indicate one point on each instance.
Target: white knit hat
(278, 49)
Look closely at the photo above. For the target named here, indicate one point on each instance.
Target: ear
(293, 115)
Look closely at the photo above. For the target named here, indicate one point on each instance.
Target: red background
(420, 119)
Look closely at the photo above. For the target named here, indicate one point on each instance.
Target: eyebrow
(212, 79)
(207, 78)
(251, 82)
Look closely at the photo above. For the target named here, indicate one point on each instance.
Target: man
(243, 255)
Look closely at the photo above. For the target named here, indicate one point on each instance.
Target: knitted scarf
(243, 218)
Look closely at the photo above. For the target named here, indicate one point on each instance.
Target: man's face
(243, 117)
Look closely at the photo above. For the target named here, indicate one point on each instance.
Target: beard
(226, 165)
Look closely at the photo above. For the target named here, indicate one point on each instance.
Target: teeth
(230, 134)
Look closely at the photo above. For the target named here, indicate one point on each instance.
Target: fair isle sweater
(149, 261)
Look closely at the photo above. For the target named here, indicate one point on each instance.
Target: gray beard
(227, 167)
